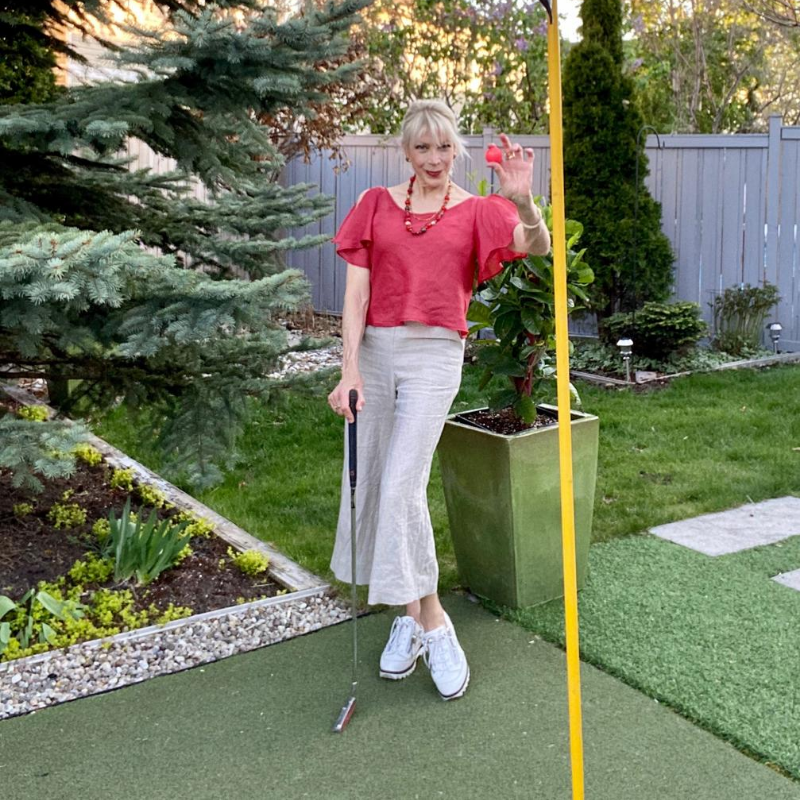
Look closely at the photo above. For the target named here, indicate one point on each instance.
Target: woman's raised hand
(339, 398)
(515, 172)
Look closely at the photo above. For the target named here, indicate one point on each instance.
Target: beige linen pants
(411, 375)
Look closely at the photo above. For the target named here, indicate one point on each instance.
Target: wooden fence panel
(788, 258)
(719, 209)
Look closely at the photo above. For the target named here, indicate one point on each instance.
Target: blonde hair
(434, 117)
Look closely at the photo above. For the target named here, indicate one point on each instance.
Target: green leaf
(479, 312)
(532, 321)
(524, 284)
(525, 408)
(502, 399)
(55, 607)
(47, 634)
(6, 605)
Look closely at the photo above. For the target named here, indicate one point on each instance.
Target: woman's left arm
(515, 174)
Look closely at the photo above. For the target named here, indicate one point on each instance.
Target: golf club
(350, 706)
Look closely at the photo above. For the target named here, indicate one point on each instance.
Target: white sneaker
(399, 657)
(446, 661)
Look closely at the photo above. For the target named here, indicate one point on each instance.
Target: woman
(413, 252)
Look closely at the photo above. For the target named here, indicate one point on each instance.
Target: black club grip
(351, 438)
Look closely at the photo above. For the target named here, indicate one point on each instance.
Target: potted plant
(500, 464)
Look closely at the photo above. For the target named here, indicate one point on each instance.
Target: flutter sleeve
(495, 221)
(353, 240)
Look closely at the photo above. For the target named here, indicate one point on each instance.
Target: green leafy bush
(604, 359)
(106, 613)
(31, 617)
(519, 305)
(91, 569)
(658, 330)
(33, 413)
(122, 479)
(739, 315)
(250, 562)
(142, 549)
(151, 496)
(66, 515)
(90, 455)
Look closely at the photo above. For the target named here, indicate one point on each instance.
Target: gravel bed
(308, 361)
(33, 683)
(47, 679)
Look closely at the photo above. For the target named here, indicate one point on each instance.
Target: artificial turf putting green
(258, 725)
(715, 638)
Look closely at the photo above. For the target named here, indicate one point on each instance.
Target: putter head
(344, 715)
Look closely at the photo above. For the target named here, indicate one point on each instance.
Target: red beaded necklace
(432, 222)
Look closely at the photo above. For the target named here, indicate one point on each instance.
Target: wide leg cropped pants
(411, 375)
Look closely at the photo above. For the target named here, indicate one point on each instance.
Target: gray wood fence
(730, 209)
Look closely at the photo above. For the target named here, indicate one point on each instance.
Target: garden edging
(97, 666)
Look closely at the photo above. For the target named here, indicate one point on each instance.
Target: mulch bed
(34, 550)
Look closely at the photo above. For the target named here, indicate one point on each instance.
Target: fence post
(773, 198)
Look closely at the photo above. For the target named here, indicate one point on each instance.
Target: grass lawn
(704, 443)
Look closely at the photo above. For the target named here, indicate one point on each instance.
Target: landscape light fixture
(775, 329)
(626, 348)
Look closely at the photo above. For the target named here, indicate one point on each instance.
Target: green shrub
(31, 618)
(658, 330)
(107, 613)
(33, 413)
(66, 515)
(519, 305)
(151, 496)
(250, 562)
(122, 479)
(739, 315)
(91, 570)
(22, 509)
(91, 455)
(198, 526)
(101, 529)
(601, 122)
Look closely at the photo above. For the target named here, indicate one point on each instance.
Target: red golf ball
(493, 154)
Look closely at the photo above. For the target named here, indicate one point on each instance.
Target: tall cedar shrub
(600, 128)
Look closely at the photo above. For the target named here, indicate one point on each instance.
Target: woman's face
(431, 160)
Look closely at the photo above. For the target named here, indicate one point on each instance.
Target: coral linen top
(428, 278)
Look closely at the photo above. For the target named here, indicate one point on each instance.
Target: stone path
(739, 529)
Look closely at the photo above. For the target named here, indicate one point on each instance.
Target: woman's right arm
(354, 314)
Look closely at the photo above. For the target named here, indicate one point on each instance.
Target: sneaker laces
(442, 649)
(401, 637)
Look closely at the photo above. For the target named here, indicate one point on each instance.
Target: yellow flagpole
(564, 417)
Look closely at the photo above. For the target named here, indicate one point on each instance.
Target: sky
(569, 20)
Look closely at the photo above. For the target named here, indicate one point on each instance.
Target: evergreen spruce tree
(600, 128)
(120, 278)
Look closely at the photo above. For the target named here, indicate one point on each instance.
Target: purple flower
(541, 28)
(637, 23)
(635, 64)
(498, 68)
(522, 44)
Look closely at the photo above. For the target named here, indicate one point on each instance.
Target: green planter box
(504, 505)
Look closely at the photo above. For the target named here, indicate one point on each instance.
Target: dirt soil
(34, 550)
(505, 421)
